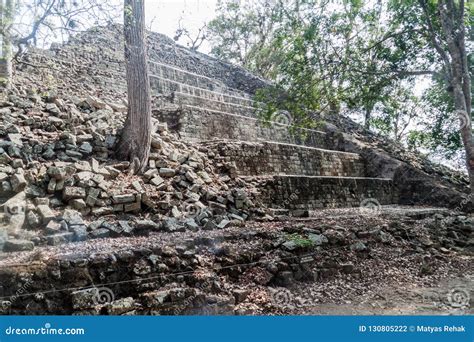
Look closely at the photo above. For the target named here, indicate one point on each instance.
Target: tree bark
(6, 17)
(452, 23)
(367, 118)
(134, 144)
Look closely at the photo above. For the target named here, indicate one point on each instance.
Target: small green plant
(300, 240)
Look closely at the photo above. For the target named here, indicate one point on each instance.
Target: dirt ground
(406, 300)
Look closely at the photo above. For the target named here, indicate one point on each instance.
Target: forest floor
(412, 261)
(402, 299)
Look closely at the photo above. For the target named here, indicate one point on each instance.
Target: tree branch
(401, 73)
(432, 36)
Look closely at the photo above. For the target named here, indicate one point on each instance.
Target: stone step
(190, 82)
(196, 124)
(164, 78)
(273, 158)
(185, 94)
(392, 210)
(213, 102)
(301, 192)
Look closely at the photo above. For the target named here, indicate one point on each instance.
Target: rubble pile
(60, 183)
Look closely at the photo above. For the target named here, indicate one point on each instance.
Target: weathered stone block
(59, 239)
(18, 182)
(166, 172)
(15, 245)
(73, 192)
(125, 198)
(45, 213)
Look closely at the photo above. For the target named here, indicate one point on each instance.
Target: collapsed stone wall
(417, 180)
(60, 181)
(232, 271)
(165, 50)
(211, 99)
(55, 169)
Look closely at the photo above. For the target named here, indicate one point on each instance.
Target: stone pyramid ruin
(203, 221)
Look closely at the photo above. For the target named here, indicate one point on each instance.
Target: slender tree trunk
(464, 112)
(452, 23)
(6, 17)
(135, 140)
(466, 132)
(367, 118)
(396, 128)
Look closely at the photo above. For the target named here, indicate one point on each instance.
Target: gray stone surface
(16, 245)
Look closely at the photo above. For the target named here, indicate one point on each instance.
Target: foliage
(323, 55)
(440, 126)
(41, 22)
(348, 57)
(397, 111)
(242, 33)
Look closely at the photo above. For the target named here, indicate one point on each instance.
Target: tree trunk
(135, 140)
(6, 17)
(452, 23)
(466, 133)
(367, 118)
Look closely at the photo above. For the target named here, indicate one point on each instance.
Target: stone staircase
(294, 168)
(210, 103)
